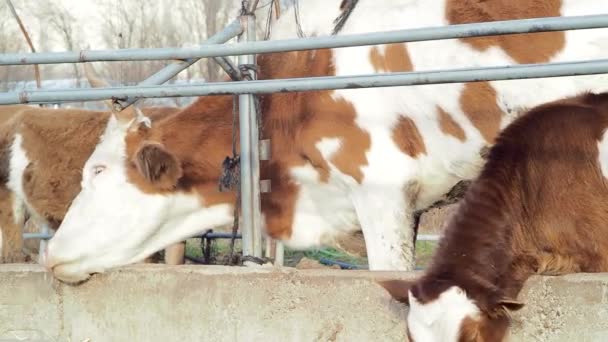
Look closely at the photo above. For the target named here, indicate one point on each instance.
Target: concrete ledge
(214, 303)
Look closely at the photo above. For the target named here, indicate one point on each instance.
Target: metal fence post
(279, 254)
(249, 151)
(45, 231)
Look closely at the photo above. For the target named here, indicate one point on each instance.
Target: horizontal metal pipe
(387, 37)
(212, 236)
(43, 236)
(427, 237)
(342, 264)
(171, 70)
(315, 83)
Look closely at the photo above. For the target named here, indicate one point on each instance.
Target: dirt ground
(434, 220)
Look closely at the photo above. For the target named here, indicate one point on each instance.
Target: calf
(540, 206)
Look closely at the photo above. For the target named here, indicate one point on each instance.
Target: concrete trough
(214, 303)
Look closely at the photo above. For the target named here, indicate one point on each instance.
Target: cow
(539, 206)
(342, 160)
(56, 142)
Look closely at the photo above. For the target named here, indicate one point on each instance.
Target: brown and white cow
(343, 160)
(57, 143)
(540, 206)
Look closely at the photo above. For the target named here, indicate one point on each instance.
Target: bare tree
(10, 41)
(54, 16)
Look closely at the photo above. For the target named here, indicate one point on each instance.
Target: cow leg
(11, 229)
(416, 223)
(31, 246)
(174, 254)
(386, 222)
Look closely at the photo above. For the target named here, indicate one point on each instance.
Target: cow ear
(158, 166)
(511, 304)
(398, 289)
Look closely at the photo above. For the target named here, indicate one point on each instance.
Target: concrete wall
(194, 303)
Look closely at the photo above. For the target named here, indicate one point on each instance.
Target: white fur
(18, 162)
(602, 147)
(394, 184)
(21, 208)
(441, 319)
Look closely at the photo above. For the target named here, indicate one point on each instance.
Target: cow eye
(97, 169)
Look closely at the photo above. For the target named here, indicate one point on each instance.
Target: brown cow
(540, 206)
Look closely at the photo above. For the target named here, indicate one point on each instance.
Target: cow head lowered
(143, 188)
(440, 311)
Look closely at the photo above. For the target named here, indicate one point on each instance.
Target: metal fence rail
(386, 37)
(171, 70)
(524, 71)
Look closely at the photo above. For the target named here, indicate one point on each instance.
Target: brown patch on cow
(469, 330)
(450, 127)
(556, 264)
(398, 289)
(9, 116)
(278, 206)
(479, 103)
(334, 118)
(58, 150)
(394, 59)
(160, 168)
(408, 138)
(5, 154)
(191, 144)
(484, 328)
(523, 48)
(157, 113)
(212, 196)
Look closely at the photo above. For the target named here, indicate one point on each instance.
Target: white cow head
(439, 313)
(130, 205)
